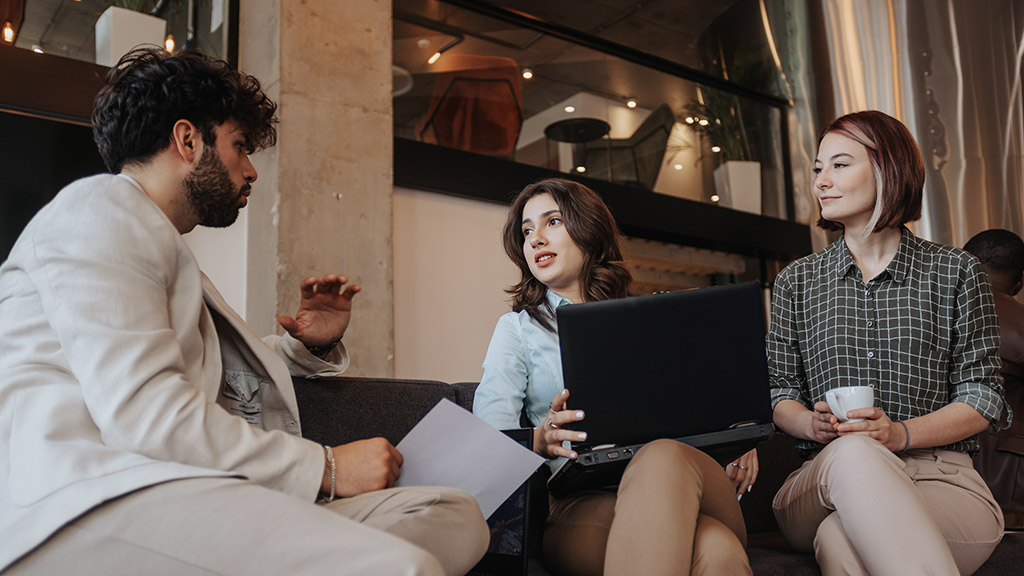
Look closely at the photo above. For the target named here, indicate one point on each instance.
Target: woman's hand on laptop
(743, 472)
(548, 438)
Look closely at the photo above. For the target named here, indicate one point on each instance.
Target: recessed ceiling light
(715, 198)
(631, 103)
(581, 169)
(690, 120)
(677, 166)
(527, 73)
(716, 149)
(570, 109)
(702, 122)
(37, 48)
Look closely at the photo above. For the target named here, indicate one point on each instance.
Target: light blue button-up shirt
(523, 367)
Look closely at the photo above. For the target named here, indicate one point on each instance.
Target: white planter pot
(738, 185)
(118, 30)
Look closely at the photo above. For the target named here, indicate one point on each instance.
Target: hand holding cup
(845, 398)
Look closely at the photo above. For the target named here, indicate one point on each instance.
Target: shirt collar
(842, 263)
(554, 300)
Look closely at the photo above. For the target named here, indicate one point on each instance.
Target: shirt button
(871, 354)
(870, 323)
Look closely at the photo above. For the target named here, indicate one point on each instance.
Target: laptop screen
(666, 365)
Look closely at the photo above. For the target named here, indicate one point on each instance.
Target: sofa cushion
(340, 410)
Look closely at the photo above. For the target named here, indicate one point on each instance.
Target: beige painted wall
(450, 275)
(221, 253)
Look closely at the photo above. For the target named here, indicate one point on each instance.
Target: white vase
(738, 184)
(118, 30)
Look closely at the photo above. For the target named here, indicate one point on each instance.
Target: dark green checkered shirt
(924, 332)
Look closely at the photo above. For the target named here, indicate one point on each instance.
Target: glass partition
(69, 29)
(486, 85)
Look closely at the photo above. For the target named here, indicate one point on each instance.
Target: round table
(577, 130)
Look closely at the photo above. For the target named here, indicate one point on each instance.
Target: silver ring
(734, 465)
(552, 424)
(743, 467)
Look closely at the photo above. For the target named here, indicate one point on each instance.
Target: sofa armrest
(339, 410)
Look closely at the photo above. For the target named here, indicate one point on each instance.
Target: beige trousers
(675, 512)
(205, 526)
(864, 510)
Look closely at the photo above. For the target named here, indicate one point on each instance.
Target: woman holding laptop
(895, 492)
(676, 510)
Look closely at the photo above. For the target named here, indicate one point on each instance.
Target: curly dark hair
(149, 90)
(590, 224)
(1000, 251)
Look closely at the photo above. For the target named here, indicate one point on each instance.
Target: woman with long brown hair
(676, 510)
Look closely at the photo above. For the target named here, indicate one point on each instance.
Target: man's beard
(211, 193)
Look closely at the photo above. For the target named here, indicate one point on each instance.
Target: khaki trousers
(675, 512)
(205, 526)
(864, 510)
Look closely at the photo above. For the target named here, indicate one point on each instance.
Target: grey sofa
(338, 410)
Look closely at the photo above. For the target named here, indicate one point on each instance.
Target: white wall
(221, 255)
(450, 274)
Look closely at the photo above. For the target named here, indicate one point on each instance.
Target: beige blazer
(111, 363)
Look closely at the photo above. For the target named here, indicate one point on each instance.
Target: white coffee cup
(843, 399)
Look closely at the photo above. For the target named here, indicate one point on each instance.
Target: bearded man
(144, 427)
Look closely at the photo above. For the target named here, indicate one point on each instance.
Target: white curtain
(951, 71)
(787, 25)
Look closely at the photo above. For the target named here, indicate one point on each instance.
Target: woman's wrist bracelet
(906, 432)
(334, 478)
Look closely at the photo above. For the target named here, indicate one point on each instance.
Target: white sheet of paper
(452, 447)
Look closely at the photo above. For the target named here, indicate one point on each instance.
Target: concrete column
(323, 201)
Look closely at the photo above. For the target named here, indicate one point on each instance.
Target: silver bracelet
(330, 461)
(906, 431)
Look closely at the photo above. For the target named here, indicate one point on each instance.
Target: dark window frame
(639, 213)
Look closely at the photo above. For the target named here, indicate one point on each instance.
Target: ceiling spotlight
(527, 73)
(690, 120)
(570, 109)
(716, 149)
(169, 44)
(677, 166)
(715, 198)
(581, 169)
(630, 103)
(422, 43)
(8, 33)
(37, 48)
(702, 122)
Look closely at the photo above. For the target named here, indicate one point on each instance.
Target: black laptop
(689, 365)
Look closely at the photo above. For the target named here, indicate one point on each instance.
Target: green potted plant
(716, 116)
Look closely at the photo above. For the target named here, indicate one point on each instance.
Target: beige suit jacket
(111, 363)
